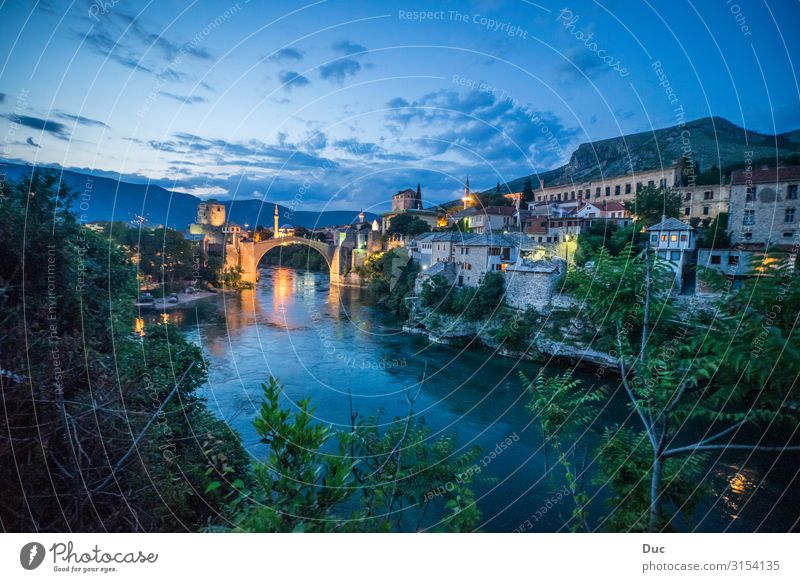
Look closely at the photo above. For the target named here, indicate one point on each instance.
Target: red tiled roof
(502, 210)
(760, 176)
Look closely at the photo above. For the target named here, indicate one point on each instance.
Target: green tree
(651, 204)
(408, 225)
(527, 190)
(715, 235)
(319, 479)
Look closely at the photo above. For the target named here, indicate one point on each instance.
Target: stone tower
(275, 223)
(211, 212)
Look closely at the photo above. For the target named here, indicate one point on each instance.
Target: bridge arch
(251, 253)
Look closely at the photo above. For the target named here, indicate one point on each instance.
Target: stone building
(407, 199)
(532, 283)
(703, 202)
(619, 188)
(484, 253)
(764, 207)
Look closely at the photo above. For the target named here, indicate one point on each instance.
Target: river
(325, 343)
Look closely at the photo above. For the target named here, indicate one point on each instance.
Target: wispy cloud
(292, 79)
(30, 142)
(347, 47)
(53, 127)
(186, 99)
(287, 54)
(81, 120)
(339, 70)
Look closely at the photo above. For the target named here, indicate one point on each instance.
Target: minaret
(275, 223)
(361, 217)
(418, 204)
(466, 194)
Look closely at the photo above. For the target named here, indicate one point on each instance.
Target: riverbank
(184, 299)
(553, 335)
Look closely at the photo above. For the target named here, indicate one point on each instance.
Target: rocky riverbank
(554, 338)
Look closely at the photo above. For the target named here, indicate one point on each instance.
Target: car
(173, 298)
(146, 298)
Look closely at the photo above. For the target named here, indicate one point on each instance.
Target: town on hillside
(532, 236)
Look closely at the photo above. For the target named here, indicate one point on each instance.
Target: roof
(609, 205)
(763, 176)
(513, 239)
(501, 210)
(670, 224)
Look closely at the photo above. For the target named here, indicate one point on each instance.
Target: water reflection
(331, 344)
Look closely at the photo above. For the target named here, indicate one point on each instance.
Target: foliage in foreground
(317, 479)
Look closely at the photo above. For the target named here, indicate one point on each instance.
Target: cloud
(54, 127)
(347, 47)
(2, 97)
(30, 142)
(292, 79)
(340, 69)
(287, 54)
(477, 124)
(188, 100)
(125, 40)
(81, 120)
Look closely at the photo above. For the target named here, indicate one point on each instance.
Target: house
(437, 247)
(764, 207)
(409, 201)
(491, 219)
(482, 253)
(703, 202)
(674, 242)
(620, 188)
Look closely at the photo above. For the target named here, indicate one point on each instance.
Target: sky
(337, 104)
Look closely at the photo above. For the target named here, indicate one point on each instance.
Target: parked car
(173, 298)
(146, 298)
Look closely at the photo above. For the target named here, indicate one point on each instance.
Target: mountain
(102, 199)
(711, 141)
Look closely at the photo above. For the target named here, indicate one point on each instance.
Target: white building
(674, 242)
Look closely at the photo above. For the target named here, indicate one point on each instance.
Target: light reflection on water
(326, 343)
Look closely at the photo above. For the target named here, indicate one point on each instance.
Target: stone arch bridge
(247, 255)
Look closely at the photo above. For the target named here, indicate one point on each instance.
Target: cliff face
(711, 141)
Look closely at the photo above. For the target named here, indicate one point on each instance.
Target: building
(491, 219)
(409, 202)
(283, 230)
(674, 242)
(764, 207)
(703, 202)
(482, 253)
(407, 199)
(211, 212)
(619, 188)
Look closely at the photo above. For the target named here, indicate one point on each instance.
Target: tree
(715, 235)
(527, 190)
(651, 204)
(407, 225)
(680, 373)
(319, 479)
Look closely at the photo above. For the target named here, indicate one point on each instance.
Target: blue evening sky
(340, 103)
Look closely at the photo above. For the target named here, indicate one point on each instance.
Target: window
(650, 183)
(608, 190)
(687, 211)
(750, 196)
(572, 194)
(663, 238)
(709, 195)
(597, 192)
(789, 215)
(638, 186)
(749, 217)
(706, 210)
(627, 188)
(654, 238)
(791, 193)
(675, 256)
(662, 255)
(616, 190)
(580, 193)
(494, 251)
(684, 238)
(748, 236)
(733, 259)
(673, 238)
(662, 183)
(715, 260)
(788, 234)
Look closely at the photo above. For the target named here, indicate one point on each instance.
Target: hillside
(108, 199)
(714, 142)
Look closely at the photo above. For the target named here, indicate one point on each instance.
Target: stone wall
(532, 284)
